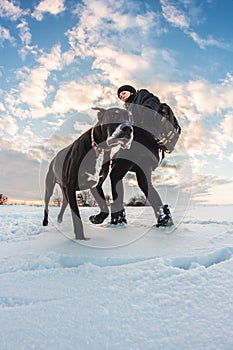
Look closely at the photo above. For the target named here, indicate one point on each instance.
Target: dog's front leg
(77, 222)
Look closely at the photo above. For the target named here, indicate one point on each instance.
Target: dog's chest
(98, 165)
(90, 169)
(91, 165)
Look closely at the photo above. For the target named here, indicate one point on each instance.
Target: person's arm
(147, 106)
(147, 99)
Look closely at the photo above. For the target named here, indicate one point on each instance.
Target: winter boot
(118, 217)
(98, 218)
(165, 218)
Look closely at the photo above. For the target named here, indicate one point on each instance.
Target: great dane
(75, 168)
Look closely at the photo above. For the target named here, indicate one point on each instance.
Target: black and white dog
(77, 166)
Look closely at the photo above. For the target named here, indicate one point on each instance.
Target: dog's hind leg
(63, 207)
(77, 222)
(49, 186)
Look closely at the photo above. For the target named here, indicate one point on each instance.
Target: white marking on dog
(94, 177)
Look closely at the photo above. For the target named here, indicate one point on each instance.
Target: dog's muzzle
(123, 136)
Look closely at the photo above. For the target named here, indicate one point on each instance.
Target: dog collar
(94, 145)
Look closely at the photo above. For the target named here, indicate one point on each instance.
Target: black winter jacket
(145, 98)
(144, 107)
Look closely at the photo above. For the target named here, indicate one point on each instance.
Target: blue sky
(59, 58)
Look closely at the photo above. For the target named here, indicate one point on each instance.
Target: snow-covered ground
(134, 287)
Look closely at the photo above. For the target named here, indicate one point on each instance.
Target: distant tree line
(85, 199)
(138, 201)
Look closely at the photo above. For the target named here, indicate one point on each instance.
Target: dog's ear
(100, 113)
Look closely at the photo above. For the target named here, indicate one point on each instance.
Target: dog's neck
(98, 139)
(94, 144)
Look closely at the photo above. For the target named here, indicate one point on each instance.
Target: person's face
(124, 95)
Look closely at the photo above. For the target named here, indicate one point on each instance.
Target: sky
(60, 58)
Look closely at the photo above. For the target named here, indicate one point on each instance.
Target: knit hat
(126, 88)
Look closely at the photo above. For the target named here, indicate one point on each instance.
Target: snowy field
(134, 287)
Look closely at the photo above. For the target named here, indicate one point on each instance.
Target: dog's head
(116, 123)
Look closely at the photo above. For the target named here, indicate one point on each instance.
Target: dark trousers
(143, 171)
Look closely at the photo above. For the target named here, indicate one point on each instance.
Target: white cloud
(8, 125)
(174, 15)
(24, 32)
(5, 35)
(34, 91)
(222, 136)
(2, 108)
(180, 18)
(80, 128)
(47, 148)
(222, 194)
(12, 104)
(54, 7)
(53, 60)
(204, 184)
(11, 10)
(22, 141)
(96, 14)
(231, 157)
(115, 64)
(204, 110)
(76, 96)
(20, 178)
(33, 87)
(194, 139)
(227, 125)
(203, 43)
(198, 99)
(26, 37)
(103, 33)
(119, 66)
(100, 20)
(211, 98)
